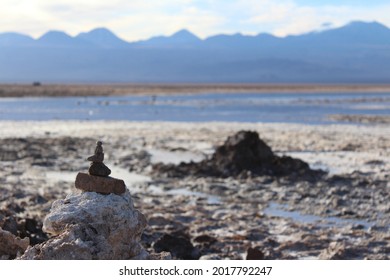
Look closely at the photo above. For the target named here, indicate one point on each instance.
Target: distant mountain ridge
(102, 37)
(358, 52)
(59, 39)
(13, 38)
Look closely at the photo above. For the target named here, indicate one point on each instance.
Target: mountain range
(358, 52)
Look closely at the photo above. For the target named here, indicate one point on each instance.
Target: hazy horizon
(355, 53)
(186, 30)
(332, 41)
(138, 20)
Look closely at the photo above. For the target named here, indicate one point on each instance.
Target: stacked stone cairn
(98, 179)
(99, 223)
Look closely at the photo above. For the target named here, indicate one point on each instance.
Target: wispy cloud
(289, 18)
(139, 19)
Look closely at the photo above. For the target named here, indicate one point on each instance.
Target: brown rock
(254, 254)
(105, 185)
(99, 169)
(180, 247)
(11, 245)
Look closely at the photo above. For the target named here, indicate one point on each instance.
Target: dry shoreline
(58, 90)
(222, 217)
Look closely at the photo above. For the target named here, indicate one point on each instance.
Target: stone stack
(98, 168)
(98, 179)
(99, 223)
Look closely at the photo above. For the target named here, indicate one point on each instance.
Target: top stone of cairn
(99, 155)
(98, 168)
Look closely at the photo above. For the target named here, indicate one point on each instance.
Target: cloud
(140, 19)
(287, 17)
(133, 19)
(200, 22)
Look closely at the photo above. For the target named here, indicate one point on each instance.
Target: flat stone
(105, 185)
(96, 158)
(99, 169)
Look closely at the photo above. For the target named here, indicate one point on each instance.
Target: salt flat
(39, 159)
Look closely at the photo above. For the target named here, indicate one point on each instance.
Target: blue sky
(141, 19)
(342, 2)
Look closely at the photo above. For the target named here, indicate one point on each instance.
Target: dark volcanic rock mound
(242, 151)
(243, 154)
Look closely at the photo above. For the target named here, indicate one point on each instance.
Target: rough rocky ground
(92, 226)
(343, 215)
